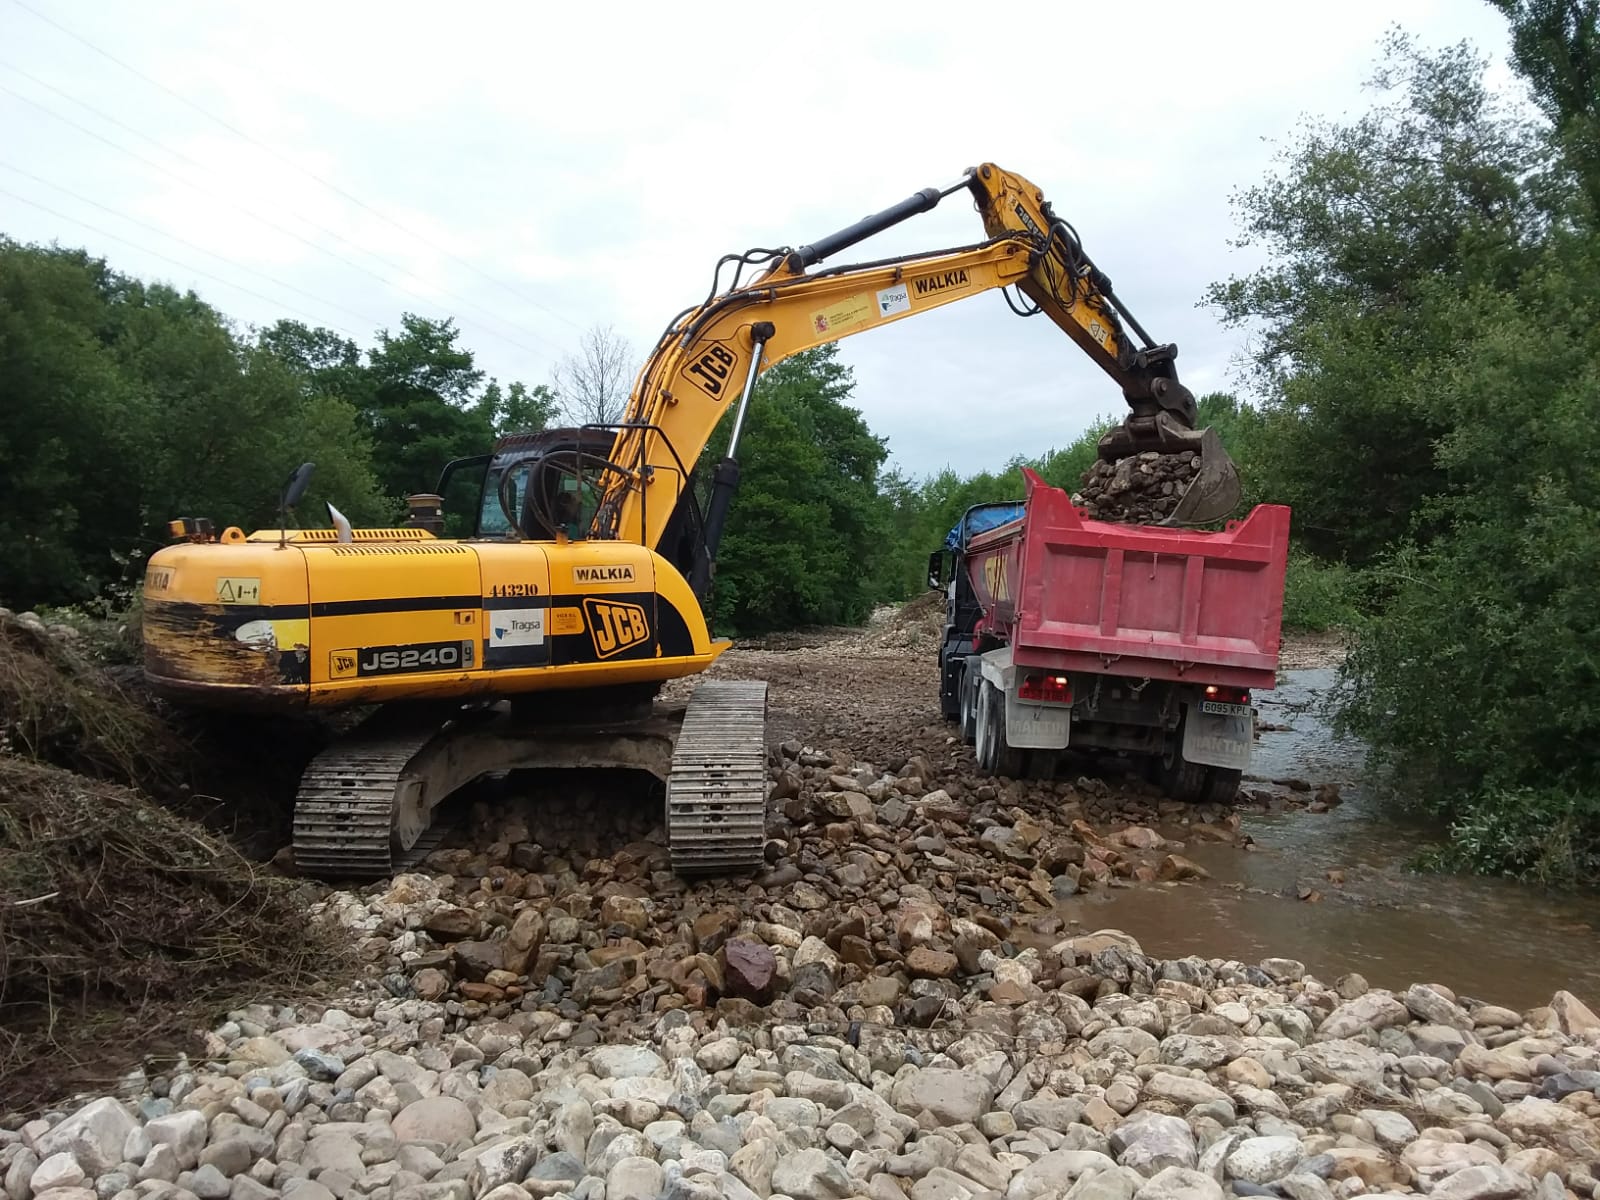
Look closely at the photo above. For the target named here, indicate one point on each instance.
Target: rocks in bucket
(1142, 489)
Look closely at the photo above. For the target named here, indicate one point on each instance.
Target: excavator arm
(709, 358)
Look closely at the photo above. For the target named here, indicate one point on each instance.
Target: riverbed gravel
(894, 1007)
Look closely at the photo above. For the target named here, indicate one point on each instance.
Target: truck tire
(1222, 784)
(1184, 780)
(984, 728)
(994, 755)
(968, 692)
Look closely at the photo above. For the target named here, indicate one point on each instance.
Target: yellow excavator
(543, 637)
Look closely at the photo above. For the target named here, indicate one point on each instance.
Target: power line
(185, 242)
(238, 287)
(234, 129)
(248, 211)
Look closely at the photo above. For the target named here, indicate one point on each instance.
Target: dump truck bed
(1138, 601)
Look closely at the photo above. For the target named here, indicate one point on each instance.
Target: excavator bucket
(1214, 492)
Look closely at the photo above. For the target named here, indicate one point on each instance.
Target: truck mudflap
(1028, 726)
(1218, 739)
(1031, 726)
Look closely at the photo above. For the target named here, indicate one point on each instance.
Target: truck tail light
(1229, 695)
(1045, 689)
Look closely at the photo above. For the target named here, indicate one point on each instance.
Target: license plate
(1223, 709)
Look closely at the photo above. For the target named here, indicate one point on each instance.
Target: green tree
(422, 409)
(1555, 45)
(1430, 369)
(1501, 615)
(62, 435)
(518, 408)
(1431, 186)
(806, 530)
(126, 404)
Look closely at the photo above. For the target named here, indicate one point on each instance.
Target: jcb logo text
(615, 627)
(711, 369)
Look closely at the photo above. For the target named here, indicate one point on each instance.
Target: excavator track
(717, 789)
(345, 810)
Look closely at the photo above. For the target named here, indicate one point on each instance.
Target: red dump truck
(1063, 631)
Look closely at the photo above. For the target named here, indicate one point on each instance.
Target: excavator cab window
(493, 522)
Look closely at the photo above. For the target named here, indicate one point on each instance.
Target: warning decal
(234, 590)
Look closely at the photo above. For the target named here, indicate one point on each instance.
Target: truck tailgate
(1135, 600)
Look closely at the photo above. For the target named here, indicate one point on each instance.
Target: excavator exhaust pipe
(1213, 494)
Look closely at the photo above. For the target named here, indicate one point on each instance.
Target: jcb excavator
(542, 638)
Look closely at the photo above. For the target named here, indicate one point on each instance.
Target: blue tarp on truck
(980, 520)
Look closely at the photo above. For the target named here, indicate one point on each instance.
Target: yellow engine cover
(398, 614)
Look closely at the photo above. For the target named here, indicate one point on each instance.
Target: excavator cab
(537, 486)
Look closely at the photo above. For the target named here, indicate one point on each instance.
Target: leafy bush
(1429, 354)
(1318, 595)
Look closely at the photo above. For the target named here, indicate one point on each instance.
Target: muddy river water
(1497, 941)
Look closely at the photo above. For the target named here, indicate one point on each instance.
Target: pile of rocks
(1143, 489)
(1127, 1079)
(883, 887)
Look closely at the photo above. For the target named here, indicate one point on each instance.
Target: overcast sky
(532, 169)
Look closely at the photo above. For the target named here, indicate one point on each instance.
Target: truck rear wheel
(983, 738)
(1222, 785)
(1196, 783)
(1184, 780)
(994, 755)
(968, 691)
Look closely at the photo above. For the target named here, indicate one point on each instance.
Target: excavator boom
(708, 360)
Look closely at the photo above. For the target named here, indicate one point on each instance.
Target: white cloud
(597, 159)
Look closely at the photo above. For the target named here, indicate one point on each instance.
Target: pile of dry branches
(123, 925)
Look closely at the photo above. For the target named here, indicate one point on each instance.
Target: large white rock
(1264, 1159)
(1432, 1160)
(1374, 1011)
(94, 1135)
(1393, 1130)
(435, 1119)
(1151, 1141)
(1180, 1183)
(807, 1175)
(1532, 1119)
(635, 1178)
(953, 1097)
(1183, 1089)
(1342, 1062)
(184, 1131)
(335, 1152)
(57, 1171)
(1484, 1182)
(626, 1062)
(753, 1164)
(503, 1162)
(1054, 1173)
(1573, 1015)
